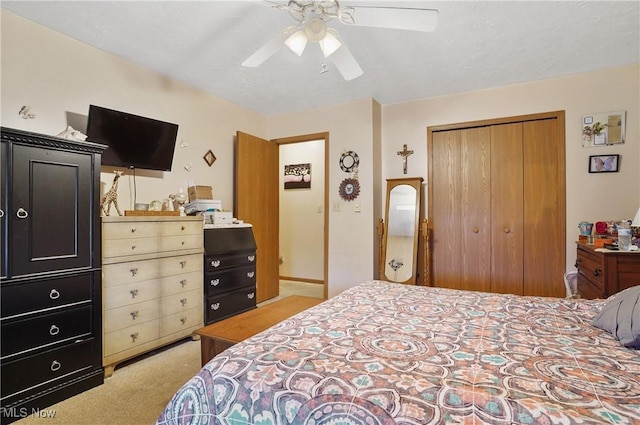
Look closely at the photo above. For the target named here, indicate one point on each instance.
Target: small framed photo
(604, 163)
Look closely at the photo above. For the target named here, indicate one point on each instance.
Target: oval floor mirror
(399, 251)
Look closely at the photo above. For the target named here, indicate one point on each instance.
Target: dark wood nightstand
(602, 273)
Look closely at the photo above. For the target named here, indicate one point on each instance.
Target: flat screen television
(133, 141)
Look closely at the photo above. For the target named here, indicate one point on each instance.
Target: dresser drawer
(133, 246)
(219, 262)
(131, 293)
(230, 304)
(180, 322)
(177, 243)
(129, 230)
(181, 283)
(591, 267)
(32, 371)
(129, 272)
(124, 339)
(228, 280)
(181, 302)
(587, 289)
(131, 315)
(47, 329)
(174, 228)
(180, 264)
(48, 294)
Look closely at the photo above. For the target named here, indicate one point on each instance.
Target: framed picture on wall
(604, 163)
(297, 176)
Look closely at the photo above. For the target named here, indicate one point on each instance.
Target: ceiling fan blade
(346, 63)
(266, 51)
(410, 19)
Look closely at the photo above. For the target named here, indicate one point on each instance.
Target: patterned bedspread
(386, 353)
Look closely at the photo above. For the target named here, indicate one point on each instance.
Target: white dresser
(152, 283)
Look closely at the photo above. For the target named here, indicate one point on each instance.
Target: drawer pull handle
(55, 366)
(22, 213)
(134, 337)
(182, 243)
(251, 258)
(182, 228)
(183, 320)
(54, 295)
(183, 282)
(577, 264)
(507, 230)
(250, 274)
(215, 306)
(251, 295)
(476, 230)
(54, 330)
(134, 293)
(134, 314)
(134, 272)
(133, 230)
(133, 247)
(1, 213)
(215, 282)
(597, 272)
(182, 264)
(183, 302)
(215, 263)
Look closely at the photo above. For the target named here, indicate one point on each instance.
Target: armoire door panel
(544, 236)
(507, 237)
(446, 207)
(475, 209)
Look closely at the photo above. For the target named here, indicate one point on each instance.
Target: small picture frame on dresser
(604, 163)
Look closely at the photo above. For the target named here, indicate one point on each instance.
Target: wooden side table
(221, 335)
(602, 273)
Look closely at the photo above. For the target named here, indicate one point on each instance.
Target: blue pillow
(621, 317)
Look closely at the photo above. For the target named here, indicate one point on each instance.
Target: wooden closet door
(544, 210)
(507, 230)
(461, 209)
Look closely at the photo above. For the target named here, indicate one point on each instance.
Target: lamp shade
(297, 42)
(636, 219)
(329, 43)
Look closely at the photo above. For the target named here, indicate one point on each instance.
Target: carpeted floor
(138, 390)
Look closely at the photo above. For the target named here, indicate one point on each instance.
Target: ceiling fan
(312, 17)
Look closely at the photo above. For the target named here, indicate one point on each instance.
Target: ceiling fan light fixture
(297, 42)
(315, 29)
(330, 43)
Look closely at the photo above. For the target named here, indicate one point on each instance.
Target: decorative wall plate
(349, 161)
(349, 189)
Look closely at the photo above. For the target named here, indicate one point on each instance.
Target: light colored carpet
(136, 393)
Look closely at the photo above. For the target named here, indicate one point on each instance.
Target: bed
(387, 353)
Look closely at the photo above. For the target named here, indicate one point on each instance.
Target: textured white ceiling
(476, 45)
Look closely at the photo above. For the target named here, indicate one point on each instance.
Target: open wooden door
(256, 202)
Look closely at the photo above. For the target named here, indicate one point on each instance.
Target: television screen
(133, 141)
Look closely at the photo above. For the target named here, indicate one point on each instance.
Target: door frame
(309, 138)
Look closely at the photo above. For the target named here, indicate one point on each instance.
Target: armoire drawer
(43, 330)
(228, 280)
(219, 262)
(29, 297)
(230, 304)
(59, 363)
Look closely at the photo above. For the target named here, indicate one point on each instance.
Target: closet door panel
(475, 209)
(446, 208)
(543, 209)
(507, 208)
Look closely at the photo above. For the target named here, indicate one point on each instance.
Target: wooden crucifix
(404, 153)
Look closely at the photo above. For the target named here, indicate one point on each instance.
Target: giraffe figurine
(111, 197)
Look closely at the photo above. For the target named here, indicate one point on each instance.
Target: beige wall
(58, 76)
(590, 197)
(302, 214)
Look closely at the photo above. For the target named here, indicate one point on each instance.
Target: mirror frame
(416, 183)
